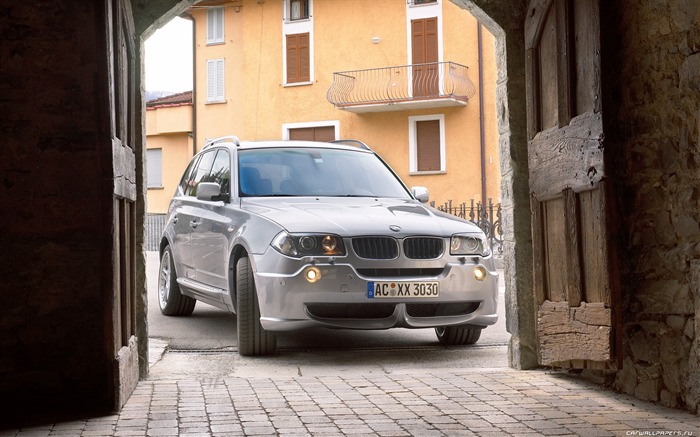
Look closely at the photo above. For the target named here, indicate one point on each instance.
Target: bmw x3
(289, 235)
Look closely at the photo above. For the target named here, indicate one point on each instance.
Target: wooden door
(122, 98)
(424, 47)
(573, 239)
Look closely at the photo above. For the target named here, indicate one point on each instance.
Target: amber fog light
(312, 274)
(480, 273)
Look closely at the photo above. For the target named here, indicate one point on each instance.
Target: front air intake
(375, 247)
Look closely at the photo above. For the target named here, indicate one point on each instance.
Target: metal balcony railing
(406, 83)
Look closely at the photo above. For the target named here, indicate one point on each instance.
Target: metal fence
(401, 83)
(487, 217)
(154, 228)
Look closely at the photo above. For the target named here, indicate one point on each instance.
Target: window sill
(298, 20)
(293, 84)
(215, 43)
(215, 102)
(156, 188)
(427, 173)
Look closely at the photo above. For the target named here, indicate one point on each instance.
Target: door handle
(194, 223)
(175, 220)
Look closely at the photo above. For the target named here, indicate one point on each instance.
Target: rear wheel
(457, 335)
(171, 301)
(252, 338)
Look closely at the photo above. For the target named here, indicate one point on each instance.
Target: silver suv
(290, 235)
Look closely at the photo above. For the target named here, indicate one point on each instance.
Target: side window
(187, 180)
(215, 25)
(201, 172)
(221, 171)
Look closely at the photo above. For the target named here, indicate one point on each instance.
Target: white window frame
(286, 12)
(290, 27)
(154, 168)
(215, 25)
(216, 84)
(413, 144)
(286, 127)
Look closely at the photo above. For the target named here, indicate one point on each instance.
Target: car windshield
(315, 172)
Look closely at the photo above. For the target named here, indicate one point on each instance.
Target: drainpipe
(481, 118)
(188, 16)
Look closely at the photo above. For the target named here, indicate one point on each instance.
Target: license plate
(390, 290)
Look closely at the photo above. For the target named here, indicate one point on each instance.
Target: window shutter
(431, 40)
(292, 59)
(215, 25)
(428, 145)
(154, 167)
(320, 133)
(418, 42)
(210, 26)
(220, 80)
(424, 40)
(298, 58)
(304, 58)
(215, 80)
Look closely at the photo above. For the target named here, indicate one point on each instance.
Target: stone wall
(505, 20)
(53, 277)
(651, 59)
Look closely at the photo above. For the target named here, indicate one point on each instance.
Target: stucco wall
(258, 102)
(177, 152)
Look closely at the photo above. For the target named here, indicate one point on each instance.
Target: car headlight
(300, 245)
(469, 244)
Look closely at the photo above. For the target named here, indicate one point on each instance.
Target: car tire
(252, 338)
(171, 301)
(457, 335)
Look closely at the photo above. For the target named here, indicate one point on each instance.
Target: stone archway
(505, 22)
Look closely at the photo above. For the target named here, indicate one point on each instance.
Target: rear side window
(186, 182)
(200, 172)
(221, 171)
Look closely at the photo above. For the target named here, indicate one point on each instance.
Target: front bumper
(339, 299)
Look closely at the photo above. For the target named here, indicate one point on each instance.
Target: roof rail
(229, 138)
(355, 143)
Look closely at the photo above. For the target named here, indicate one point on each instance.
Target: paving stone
(449, 403)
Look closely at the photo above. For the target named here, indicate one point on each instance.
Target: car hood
(357, 216)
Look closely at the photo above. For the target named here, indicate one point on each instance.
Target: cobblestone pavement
(470, 402)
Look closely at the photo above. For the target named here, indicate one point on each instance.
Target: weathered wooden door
(574, 274)
(424, 47)
(122, 99)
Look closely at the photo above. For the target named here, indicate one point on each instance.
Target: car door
(180, 222)
(211, 232)
(188, 215)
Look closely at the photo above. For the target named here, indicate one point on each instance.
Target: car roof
(271, 144)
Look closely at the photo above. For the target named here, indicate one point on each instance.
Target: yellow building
(401, 76)
(169, 147)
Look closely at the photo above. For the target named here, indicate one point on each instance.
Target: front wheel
(457, 335)
(171, 301)
(252, 338)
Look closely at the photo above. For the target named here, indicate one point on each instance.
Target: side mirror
(421, 194)
(208, 191)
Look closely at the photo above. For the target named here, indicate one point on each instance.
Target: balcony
(418, 86)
